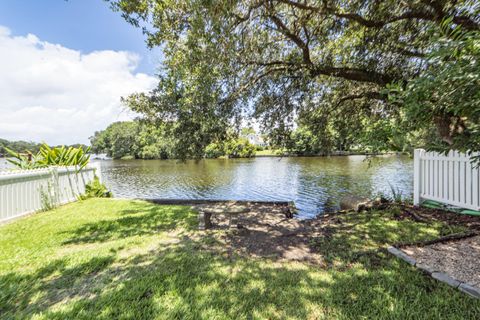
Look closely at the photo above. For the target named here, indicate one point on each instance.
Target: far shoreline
(336, 154)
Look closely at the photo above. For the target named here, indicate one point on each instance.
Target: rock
(352, 202)
(440, 276)
(402, 255)
(381, 200)
(425, 268)
(469, 289)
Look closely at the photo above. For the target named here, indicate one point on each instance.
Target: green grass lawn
(119, 259)
(267, 152)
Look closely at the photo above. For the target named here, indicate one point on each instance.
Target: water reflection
(315, 184)
(4, 165)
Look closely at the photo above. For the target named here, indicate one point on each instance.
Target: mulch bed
(450, 218)
(456, 255)
(460, 259)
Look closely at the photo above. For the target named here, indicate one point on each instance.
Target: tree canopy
(324, 63)
(18, 146)
(21, 146)
(141, 140)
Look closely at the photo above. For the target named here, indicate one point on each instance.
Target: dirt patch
(264, 229)
(261, 230)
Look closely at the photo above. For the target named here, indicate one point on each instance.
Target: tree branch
(295, 38)
(249, 11)
(369, 95)
(356, 74)
(438, 15)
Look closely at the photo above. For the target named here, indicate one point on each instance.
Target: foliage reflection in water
(316, 184)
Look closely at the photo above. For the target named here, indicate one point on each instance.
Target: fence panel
(26, 191)
(451, 179)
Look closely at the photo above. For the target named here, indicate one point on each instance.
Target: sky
(64, 65)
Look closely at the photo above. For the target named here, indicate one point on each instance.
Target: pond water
(3, 164)
(315, 184)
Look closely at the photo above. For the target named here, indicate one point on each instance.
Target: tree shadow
(36, 292)
(143, 220)
(343, 240)
(199, 277)
(184, 281)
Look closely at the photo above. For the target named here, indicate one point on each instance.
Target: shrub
(239, 148)
(96, 189)
(214, 150)
(46, 157)
(232, 148)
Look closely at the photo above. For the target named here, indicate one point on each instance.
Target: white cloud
(61, 96)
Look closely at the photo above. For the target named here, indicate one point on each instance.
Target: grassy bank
(267, 153)
(104, 258)
(280, 153)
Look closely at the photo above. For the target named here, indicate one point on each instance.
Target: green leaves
(230, 148)
(22, 161)
(273, 60)
(445, 97)
(95, 189)
(46, 157)
(134, 139)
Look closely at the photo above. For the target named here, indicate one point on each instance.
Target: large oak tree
(278, 59)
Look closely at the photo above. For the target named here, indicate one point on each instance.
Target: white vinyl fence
(450, 179)
(27, 191)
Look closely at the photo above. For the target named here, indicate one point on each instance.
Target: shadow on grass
(27, 294)
(198, 278)
(183, 281)
(364, 237)
(140, 221)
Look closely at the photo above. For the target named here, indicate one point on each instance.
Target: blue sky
(65, 65)
(84, 25)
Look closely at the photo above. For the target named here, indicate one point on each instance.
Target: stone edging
(436, 274)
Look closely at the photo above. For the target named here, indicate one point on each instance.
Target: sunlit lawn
(267, 152)
(110, 259)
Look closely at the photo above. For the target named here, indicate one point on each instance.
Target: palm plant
(22, 160)
(46, 157)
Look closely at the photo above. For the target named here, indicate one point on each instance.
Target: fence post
(416, 176)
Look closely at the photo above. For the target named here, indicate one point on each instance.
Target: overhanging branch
(435, 15)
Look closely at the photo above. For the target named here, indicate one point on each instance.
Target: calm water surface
(315, 183)
(3, 163)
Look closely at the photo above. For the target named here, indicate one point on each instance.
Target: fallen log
(415, 216)
(450, 237)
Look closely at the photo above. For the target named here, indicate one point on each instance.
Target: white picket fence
(450, 179)
(26, 191)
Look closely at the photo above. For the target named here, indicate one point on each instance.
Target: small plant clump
(96, 189)
(47, 198)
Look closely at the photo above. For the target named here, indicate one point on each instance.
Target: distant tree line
(18, 146)
(313, 136)
(142, 140)
(21, 146)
